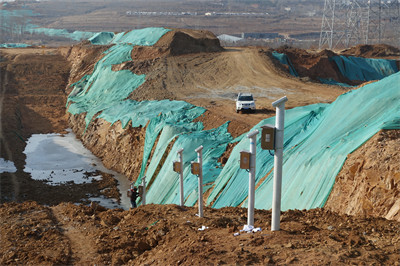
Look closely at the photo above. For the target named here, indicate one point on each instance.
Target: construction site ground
(40, 224)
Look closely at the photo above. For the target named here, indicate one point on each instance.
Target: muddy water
(57, 159)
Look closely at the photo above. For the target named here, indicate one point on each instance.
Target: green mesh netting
(105, 92)
(283, 59)
(317, 137)
(353, 68)
(331, 81)
(75, 35)
(105, 88)
(143, 37)
(317, 140)
(365, 69)
(231, 187)
(102, 38)
(17, 22)
(165, 187)
(13, 45)
(158, 113)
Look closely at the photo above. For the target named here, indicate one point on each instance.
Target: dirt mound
(369, 182)
(179, 42)
(170, 235)
(189, 41)
(315, 65)
(372, 51)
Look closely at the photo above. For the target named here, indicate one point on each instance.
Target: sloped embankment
(369, 182)
(126, 133)
(349, 68)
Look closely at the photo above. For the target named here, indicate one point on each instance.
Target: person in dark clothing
(134, 195)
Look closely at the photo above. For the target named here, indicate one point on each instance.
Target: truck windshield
(246, 98)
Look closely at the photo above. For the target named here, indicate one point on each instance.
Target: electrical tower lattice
(350, 22)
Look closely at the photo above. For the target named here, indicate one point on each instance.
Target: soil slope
(369, 182)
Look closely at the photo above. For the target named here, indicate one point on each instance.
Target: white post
(200, 161)
(277, 188)
(144, 190)
(252, 177)
(181, 177)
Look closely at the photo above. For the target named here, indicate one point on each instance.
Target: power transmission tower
(351, 22)
(328, 19)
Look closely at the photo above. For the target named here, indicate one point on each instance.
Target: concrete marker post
(199, 151)
(252, 177)
(180, 152)
(278, 160)
(144, 190)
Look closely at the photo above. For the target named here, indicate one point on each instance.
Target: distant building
(261, 35)
(229, 38)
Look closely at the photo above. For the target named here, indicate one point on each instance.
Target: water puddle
(57, 159)
(7, 166)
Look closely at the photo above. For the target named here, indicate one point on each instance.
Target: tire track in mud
(3, 144)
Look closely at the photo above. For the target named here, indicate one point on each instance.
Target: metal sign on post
(176, 166)
(245, 160)
(268, 137)
(252, 177)
(278, 159)
(195, 168)
(198, 168)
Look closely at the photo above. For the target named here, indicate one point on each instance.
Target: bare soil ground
(33, 93)
(170, 235)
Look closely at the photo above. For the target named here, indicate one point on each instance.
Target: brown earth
(369, 182)
(169, 235)
(373, 51)
(33, 93)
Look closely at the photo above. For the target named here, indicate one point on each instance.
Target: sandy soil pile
(170, 235)
(373, 51)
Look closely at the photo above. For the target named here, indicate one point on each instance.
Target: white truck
(245, 101)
